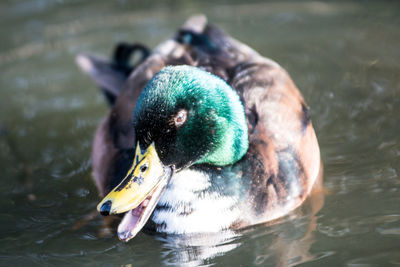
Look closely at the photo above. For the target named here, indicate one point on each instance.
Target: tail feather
(111, 76)
(100, 70)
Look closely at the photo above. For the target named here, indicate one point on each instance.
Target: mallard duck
(204, 135)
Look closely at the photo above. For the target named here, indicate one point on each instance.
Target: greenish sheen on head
(215, 131)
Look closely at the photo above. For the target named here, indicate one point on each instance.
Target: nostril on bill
(105, 208)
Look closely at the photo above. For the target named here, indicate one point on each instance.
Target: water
(344, 56)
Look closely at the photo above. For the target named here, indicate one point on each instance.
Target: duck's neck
(231, 129)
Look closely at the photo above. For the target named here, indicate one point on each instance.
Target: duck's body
(274, 174)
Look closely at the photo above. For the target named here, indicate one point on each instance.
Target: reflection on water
(342, 55)
(197, 250)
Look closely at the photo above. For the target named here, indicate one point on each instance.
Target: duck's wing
(283, 160)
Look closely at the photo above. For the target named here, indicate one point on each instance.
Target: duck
(203, 135)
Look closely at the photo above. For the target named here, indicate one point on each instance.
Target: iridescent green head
(192, 117)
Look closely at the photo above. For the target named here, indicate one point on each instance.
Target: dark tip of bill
(124, 236)
(105, 208)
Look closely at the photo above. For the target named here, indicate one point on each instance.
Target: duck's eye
(180, 118)
(144, 167)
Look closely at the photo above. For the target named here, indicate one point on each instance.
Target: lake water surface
(345, 58)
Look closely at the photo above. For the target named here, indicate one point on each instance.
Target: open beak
(138, 193)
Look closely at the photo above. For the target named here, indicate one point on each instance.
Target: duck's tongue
(135, 219)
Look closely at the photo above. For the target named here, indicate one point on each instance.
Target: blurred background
(343, 55)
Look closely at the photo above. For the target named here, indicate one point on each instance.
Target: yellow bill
(146, 173)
